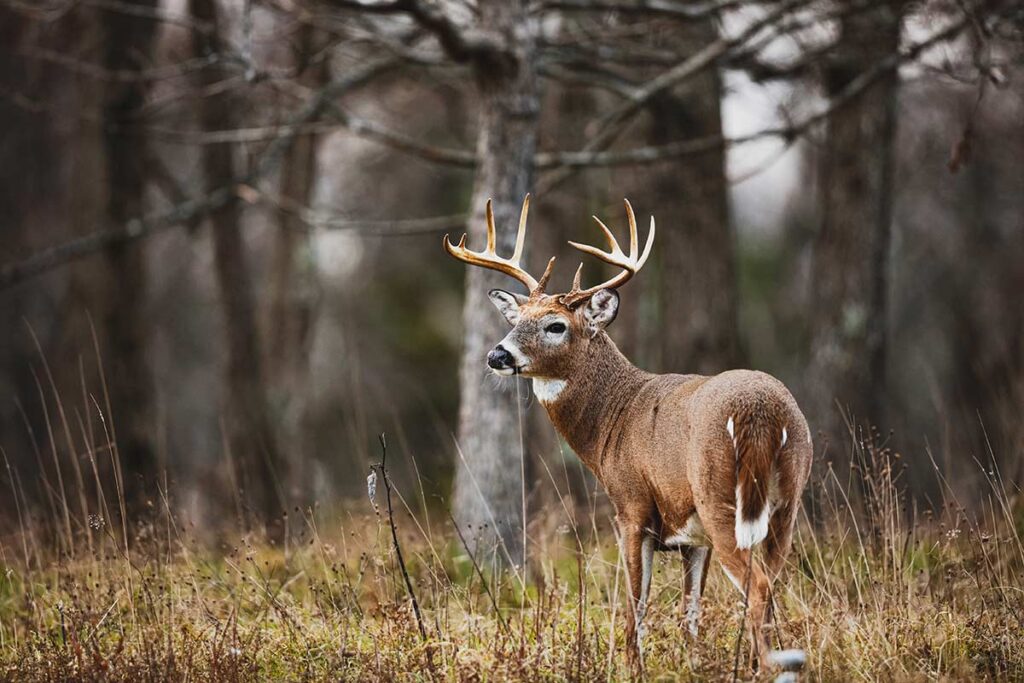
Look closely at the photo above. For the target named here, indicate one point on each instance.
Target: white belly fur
(692, 533)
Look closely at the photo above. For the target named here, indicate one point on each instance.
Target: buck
(695, 463)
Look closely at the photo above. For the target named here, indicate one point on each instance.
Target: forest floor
(873, 590)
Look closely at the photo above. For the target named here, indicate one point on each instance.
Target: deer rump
(758, 437)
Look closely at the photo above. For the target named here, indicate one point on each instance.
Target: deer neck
(587, 405)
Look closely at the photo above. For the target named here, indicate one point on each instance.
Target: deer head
(551, 332)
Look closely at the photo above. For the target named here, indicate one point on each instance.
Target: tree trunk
(850, 269)
(488, 485)
(129, 44)
(249, 431)
(294, 287)
(698, 294)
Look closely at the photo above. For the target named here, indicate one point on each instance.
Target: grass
(874, 590)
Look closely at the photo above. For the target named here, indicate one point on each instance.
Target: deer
(691, 463)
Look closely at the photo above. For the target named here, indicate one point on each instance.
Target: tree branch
(183, 213)
(652, 154)
(47, 259)
(674, 10)
(462, 45)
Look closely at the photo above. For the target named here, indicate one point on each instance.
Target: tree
(488, 482)
(128, 49)
(698, 294)
(293, 285)
(251, 437)
(851, 254)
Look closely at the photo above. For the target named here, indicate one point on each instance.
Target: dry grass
(873, 591)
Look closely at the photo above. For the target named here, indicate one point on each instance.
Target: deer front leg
(637, 548)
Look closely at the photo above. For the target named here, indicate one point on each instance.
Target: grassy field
(874, 590)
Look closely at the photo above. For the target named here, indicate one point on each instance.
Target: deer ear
(507, 304)
(601, 310)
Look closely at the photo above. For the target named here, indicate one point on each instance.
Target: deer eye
(555, 328)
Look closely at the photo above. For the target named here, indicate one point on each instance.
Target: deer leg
(751, 580)
(646, 569)
(776, 549)
(779, 540)
(695, 562)
(637, 548)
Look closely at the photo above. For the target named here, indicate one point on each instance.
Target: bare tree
(249, 431)
(698, 293)
(128, 49)
(488, 482)
(293, 283)
(496, 52)
(850, 269)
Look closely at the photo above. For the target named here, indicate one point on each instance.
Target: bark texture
(698, 295)
(488, 486)
(850, 269)
(249, 431)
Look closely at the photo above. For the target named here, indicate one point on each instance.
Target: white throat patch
(547, 390)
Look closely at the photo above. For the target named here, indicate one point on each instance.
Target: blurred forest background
(221, 263)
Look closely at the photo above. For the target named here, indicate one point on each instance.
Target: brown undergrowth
(875, 589)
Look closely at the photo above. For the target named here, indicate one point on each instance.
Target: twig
(476, 566)
(462, 45)
(394, 538)
(674, 10)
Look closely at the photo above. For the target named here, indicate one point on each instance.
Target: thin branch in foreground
(394, 539)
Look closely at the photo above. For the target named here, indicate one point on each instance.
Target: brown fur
(660, 446)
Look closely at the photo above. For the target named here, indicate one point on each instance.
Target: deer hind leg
(747, 575)
(695, 563)
(780, 540)
(776, 549)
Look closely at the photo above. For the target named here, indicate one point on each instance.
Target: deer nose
(499, 358)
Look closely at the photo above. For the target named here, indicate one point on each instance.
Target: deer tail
(757, 438)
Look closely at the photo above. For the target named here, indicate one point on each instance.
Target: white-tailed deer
(690, 462)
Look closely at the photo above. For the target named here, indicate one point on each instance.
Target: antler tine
(543, 282)
(613, 244)
(491, 238)
(647, 246)
(632, 228)
(614, 250)
(489, 257)
(630, 264)
(521, 235)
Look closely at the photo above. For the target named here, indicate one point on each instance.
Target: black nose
(499, 358)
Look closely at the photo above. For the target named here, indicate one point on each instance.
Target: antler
(488, 258)
(630, 265)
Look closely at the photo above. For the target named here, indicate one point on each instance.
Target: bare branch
(652, 154)
(47, 259)
(548, 161)
(664, 8)
(160, 15)
(683, 71)
(183, 213)
(460, 44)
